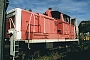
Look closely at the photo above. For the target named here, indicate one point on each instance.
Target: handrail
(29, 32)
(11, 21)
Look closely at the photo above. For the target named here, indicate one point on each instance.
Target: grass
(51, 56)
(67, 55)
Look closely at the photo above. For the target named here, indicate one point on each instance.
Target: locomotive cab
(58, 15)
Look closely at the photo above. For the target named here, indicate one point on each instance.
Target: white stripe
(49, 40)
(18, 22)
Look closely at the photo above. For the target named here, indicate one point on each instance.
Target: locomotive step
(16, 45)
(16, 51)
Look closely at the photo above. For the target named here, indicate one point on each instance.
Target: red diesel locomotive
(28, 30)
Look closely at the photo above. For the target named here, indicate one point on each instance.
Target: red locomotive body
(38, 27)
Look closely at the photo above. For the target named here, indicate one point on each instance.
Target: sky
(79, 9)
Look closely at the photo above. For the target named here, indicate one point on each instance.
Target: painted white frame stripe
(50, 40)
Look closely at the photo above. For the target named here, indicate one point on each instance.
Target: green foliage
(51, 56)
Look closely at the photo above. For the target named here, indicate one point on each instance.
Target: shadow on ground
(80, 55)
